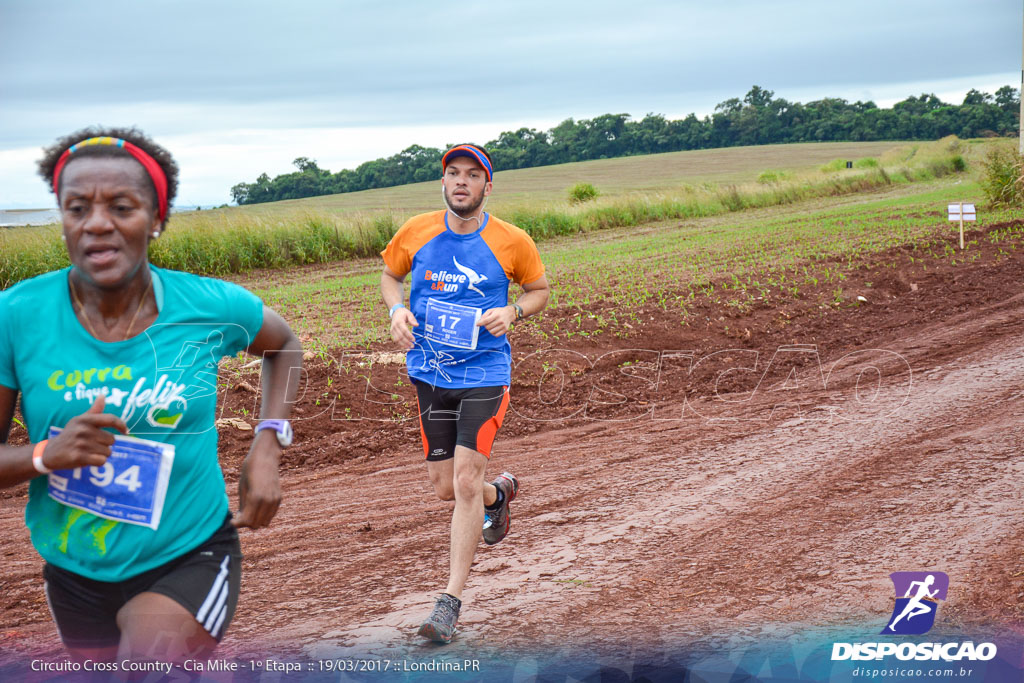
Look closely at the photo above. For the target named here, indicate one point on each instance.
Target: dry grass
(633, 191)
(614, 178)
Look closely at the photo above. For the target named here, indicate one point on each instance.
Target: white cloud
(212, 162)
(238, 88)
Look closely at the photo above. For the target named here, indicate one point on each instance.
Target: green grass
(603, 285)
(287, 234)
(738, 263)
(582, 192)
(1003, 176)
(616, 178)
(323, 229)
(773, 176)
(25, 252)
(931, 160)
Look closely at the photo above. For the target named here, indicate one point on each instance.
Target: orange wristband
(37, 457)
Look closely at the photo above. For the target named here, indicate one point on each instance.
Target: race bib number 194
(129, 487)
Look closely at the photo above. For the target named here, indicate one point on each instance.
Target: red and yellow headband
(156, 173)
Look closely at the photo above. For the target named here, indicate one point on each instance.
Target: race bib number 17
(129, 487)
(452, 324)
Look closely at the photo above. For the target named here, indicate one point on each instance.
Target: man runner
(462, 261)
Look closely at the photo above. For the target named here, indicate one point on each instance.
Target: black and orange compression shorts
(459, 417)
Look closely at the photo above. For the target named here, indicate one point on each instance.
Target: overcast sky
(235, 88)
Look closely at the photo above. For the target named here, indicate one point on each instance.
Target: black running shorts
(459, 417)
(205, 581)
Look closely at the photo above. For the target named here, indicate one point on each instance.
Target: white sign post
(962, 212)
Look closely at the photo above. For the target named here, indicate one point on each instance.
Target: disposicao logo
(917, 596)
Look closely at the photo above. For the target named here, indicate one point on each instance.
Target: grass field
(615, 178)
(633, 191)
(600, 284)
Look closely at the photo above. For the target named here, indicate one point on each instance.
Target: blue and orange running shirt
(162, 383)
(455, 279)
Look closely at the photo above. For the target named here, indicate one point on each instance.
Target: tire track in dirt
(676, 531)
(794, 522)
(661, 533)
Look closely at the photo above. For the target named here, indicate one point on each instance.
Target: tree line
(758, 119)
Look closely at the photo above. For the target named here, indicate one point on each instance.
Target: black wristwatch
(519, 311)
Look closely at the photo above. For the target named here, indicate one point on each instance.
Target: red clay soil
(742, 475)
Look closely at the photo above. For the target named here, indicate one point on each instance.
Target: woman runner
(115, 361)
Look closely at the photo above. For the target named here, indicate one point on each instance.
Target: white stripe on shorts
(215, 591)
(220, 621)
(217, 608)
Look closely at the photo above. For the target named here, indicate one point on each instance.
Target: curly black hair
(162, 157)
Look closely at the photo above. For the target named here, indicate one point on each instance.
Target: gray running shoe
(496, 522)
(440, 625)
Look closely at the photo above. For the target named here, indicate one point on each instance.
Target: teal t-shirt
(161, 382)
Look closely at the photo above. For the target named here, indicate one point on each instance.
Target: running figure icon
(916, 607)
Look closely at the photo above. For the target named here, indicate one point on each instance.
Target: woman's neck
(114, 314)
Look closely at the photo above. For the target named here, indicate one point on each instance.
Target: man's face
(465, 185)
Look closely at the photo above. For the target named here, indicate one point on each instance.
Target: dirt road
(693, 486)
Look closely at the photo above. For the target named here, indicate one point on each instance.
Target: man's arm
(535, 296)
(393, 290)
(533, 300)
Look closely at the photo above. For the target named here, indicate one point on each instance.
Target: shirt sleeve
(8, 376)
(397, 255)
(244, 311)
(528, 266)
